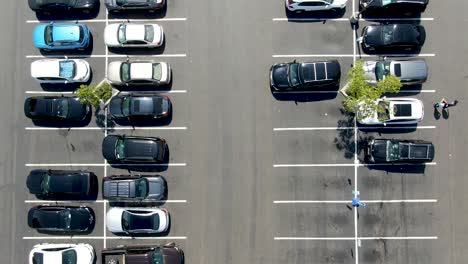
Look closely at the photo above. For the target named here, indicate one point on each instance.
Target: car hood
(279, 75)
(369, 70)
(114, 220)
(157, 188)
(111, 35)
(108, 147)
(38, 36)
(113, 71)
(373, 35)
(82, 71)
(81, 219)
(34, 180)
(77, 109)
(115, 107)
(379, 150)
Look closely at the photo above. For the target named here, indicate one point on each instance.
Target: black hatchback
(401, 37)
(56, 108)
(132, 149)
(305, 75)
(61, 219)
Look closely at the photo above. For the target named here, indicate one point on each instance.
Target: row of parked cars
(393, 38)
(134, 198)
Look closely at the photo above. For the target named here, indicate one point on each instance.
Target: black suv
(399, 151)
(132, 149)
(305, 75)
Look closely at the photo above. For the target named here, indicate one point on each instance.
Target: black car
(131, 149)
(134, 188)
(167, 254)
(62, 5)
(304, 75)
(399, 151)
(140, 106)
(61, 219)
(56, 108)
(393, 36)
(394, 6)
(60, 183)
(130, 5)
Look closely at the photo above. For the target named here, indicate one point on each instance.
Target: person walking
(444, 104)
(356, 201)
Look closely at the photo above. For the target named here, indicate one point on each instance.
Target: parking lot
(255, 176)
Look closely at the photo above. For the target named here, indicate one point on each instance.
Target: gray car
(130, 5)
(408, 71)
(134, 188)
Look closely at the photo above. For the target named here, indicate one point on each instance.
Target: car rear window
(397, 69)
(38, 258)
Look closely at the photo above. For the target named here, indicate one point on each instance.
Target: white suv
(315, 5)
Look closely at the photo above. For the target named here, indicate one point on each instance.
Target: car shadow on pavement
(314, 16)
(382, 17)
(143, 14)
(139, 51)
(399, 168)
(304, 96)
(69, 15)
(64, 124)
(389, 129)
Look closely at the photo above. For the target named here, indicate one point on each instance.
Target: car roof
(66, 32)
(141, 70)
(321, 70)
(409, 69)
(134, 32)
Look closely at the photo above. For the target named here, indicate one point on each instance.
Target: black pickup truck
(399, 151)
(166, 254)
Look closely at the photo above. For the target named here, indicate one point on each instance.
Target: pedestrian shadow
(436, 113)
(445, 113)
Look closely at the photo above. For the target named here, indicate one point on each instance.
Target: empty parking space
(313, 252)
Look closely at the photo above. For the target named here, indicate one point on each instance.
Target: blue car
(61, 36)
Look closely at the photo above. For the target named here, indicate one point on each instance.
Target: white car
(137, 220)
(139, 72)
(133, 35)
(315, 5)
(60, 70)
(62, 254)
(395, 111)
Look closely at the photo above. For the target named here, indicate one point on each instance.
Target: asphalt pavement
(254, 176)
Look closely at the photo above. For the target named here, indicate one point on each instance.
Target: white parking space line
(349, 201)
(348, 128)
(102, 237)
(108, 128)
(351, 55)
(109, 56)
(94, 201)
(285, 19)
(349, 165)
(100, 165)
(110, 20)
(359, 238)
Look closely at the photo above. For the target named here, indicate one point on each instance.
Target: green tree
(362, 95)
(92, 95)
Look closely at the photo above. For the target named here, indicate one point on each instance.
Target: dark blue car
(61, 36)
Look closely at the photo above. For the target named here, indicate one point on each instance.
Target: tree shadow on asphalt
(102, 120)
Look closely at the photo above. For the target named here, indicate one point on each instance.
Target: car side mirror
(66, 81)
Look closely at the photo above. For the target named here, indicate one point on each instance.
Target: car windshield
(383, 112)
(157, 71)
(121, 34)
(69, 256)
(149, 33)
(382, 69)
(125, 72)
(294, 74)
(64, 219)
(45, 184)
(157, 256)
(67, 69)
(393, 151)
(62, 108)
(126, 221)
(121, 2)
(120, 149)
(141, 188)
(126, 106)
(387, 34)
(48, 35)
(387, 2)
